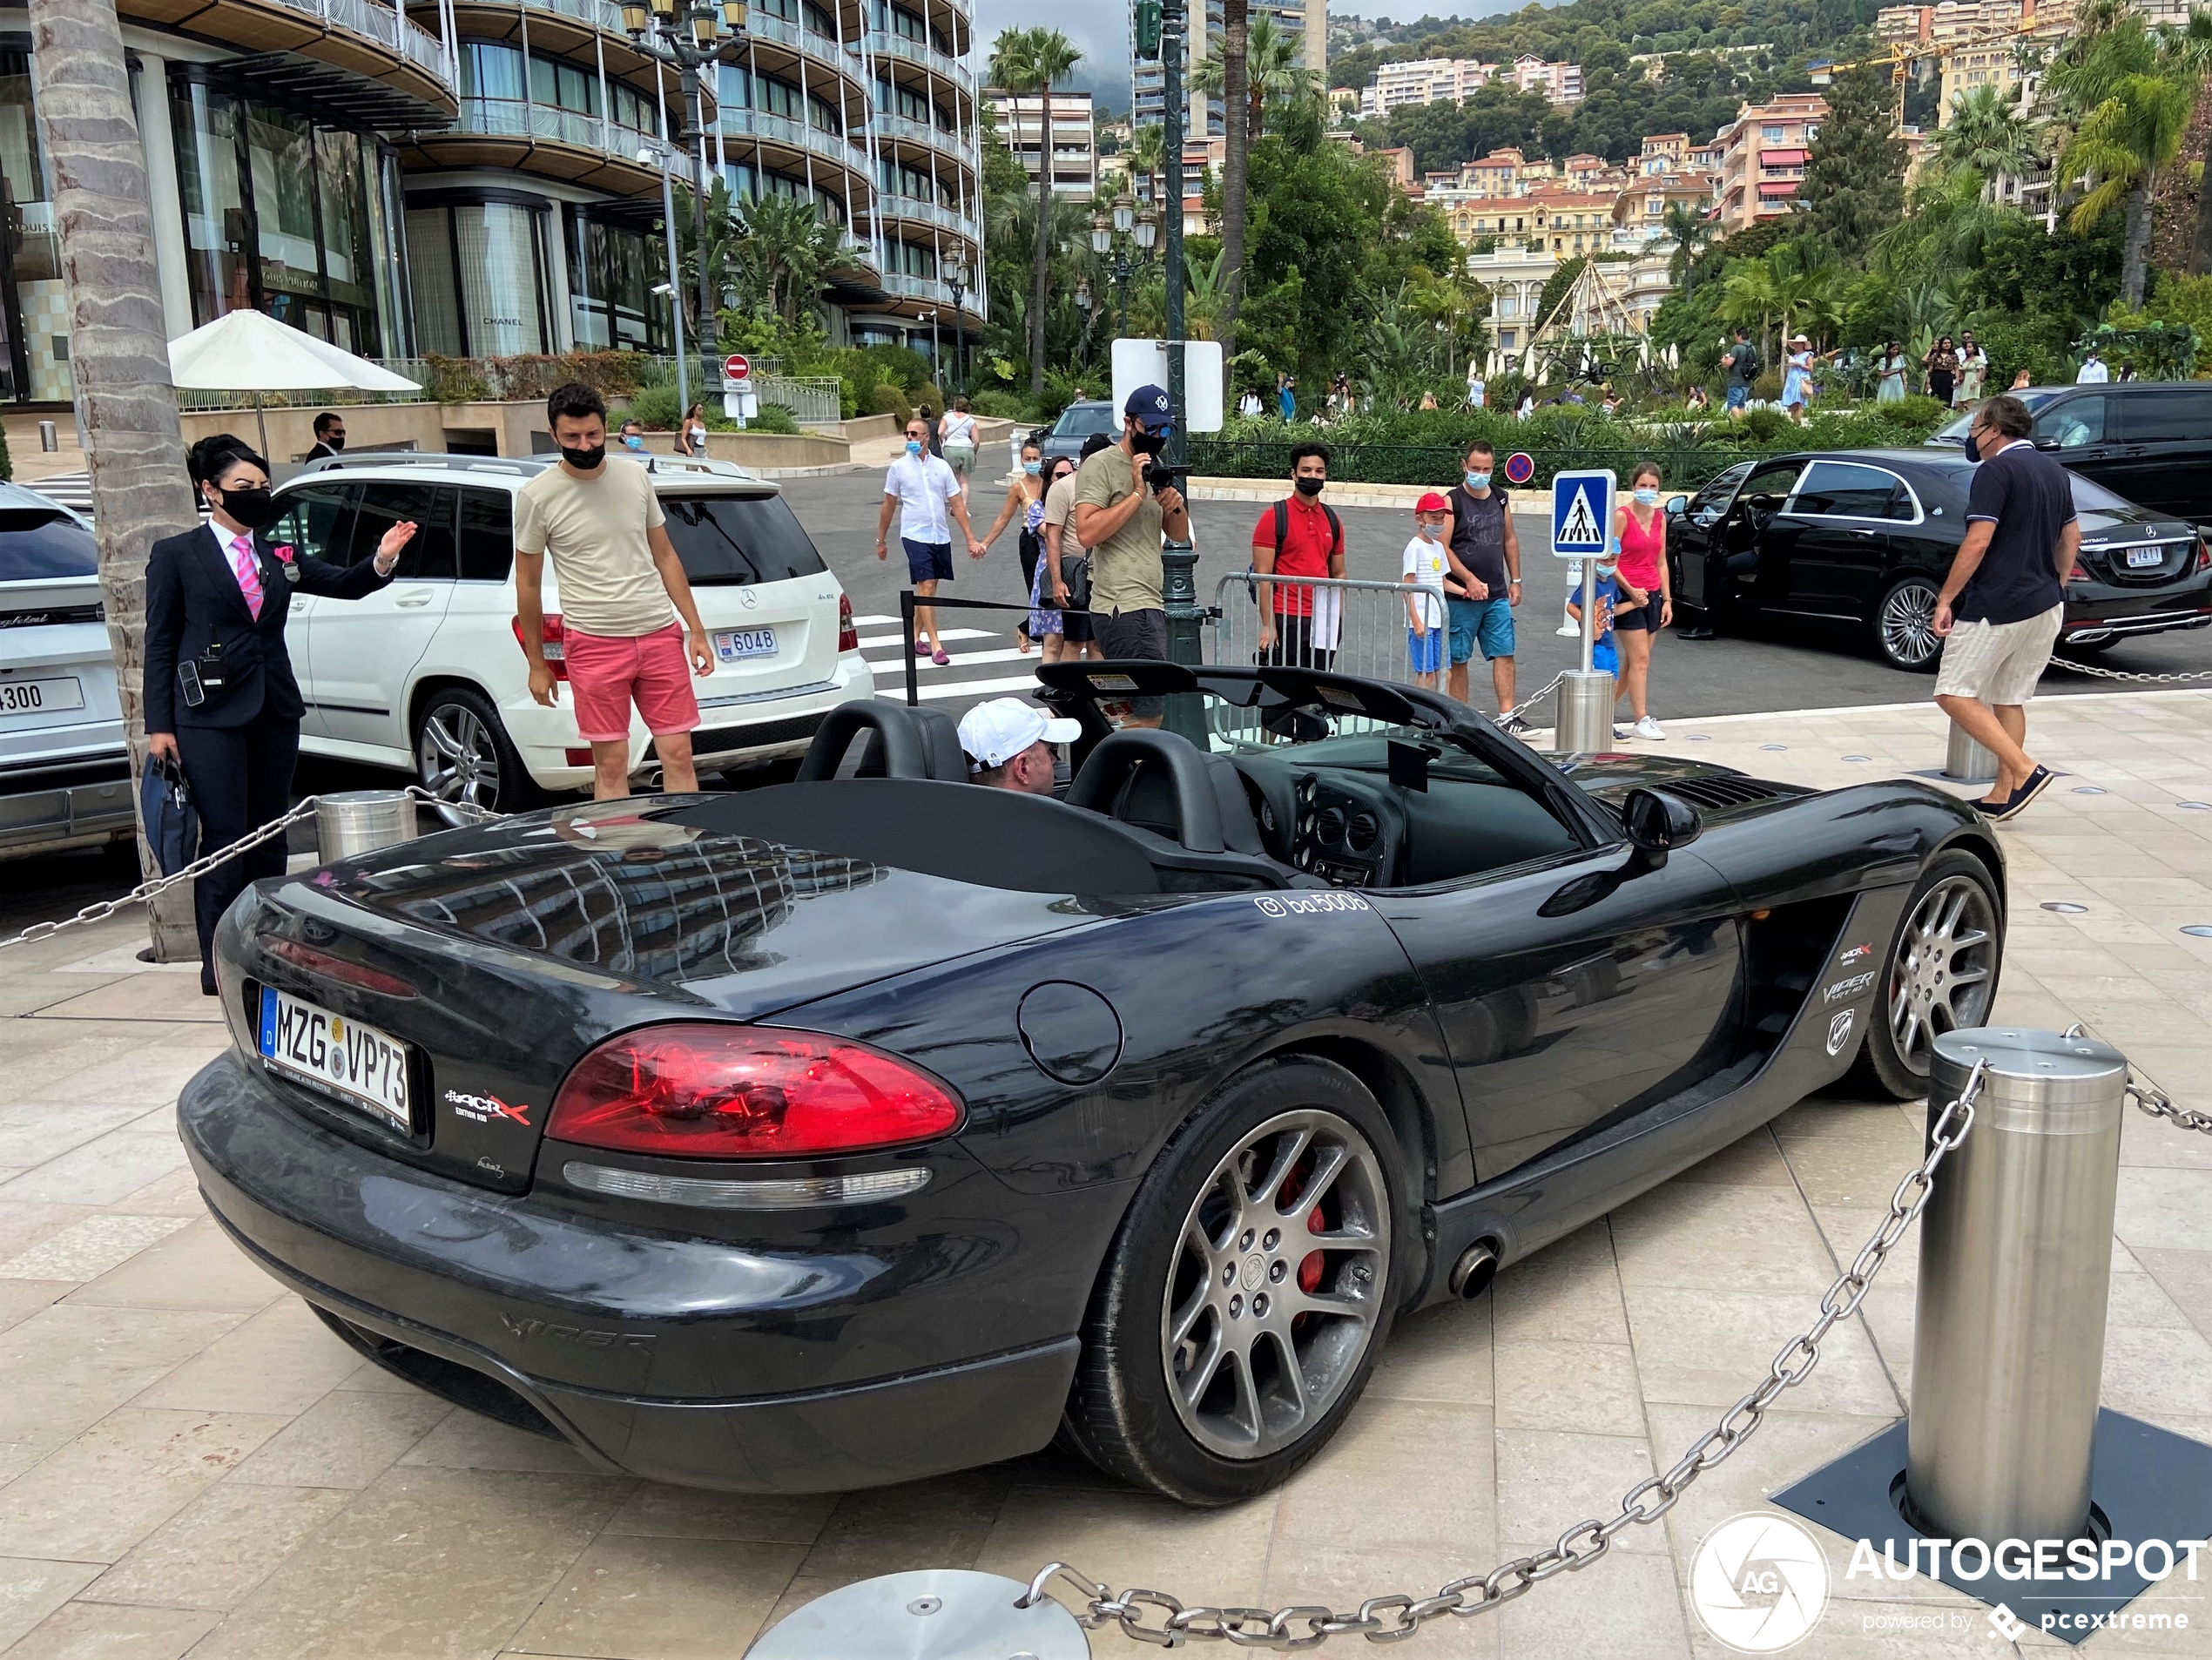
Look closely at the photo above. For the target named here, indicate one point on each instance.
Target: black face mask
(1311, 486)
(585, 460)
(336, 441)
(251, 508)
(1973, 450)
(1141, 442)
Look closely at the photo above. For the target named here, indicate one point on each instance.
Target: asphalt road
(1783, 666)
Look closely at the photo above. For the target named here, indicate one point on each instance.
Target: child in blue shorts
(1603, 653)
(1424, 570)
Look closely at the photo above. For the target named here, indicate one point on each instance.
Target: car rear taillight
(697, 1090)
(849, 636)
(2077, 575)
(338, 969)
(2204, 554)
(556, 638)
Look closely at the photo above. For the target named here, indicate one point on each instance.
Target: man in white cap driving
(1008, 744)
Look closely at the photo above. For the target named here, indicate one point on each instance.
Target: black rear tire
(1124, 1413)
(463, 754)
(1922, 990)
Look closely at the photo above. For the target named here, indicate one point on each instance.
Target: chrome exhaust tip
(1471, 1274)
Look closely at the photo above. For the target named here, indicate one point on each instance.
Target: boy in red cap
(1429, 573)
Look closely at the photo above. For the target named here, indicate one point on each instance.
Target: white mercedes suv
(428, 673)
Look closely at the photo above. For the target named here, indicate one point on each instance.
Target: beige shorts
(1999, 663)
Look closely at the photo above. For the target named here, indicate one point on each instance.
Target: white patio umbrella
(251, 351)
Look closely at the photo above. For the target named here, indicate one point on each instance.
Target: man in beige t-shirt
(1121, 519)
(623, 590)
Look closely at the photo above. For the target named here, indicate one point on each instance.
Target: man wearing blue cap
(1122, 520)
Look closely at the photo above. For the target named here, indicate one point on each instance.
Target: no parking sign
(1521, 467)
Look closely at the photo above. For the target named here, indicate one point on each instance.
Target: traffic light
(1145, 23)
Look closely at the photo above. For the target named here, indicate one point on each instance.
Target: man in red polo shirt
(1297, 536)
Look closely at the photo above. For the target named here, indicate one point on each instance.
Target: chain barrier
(200, 867)
(2150, 1098)
(2121, 674)
(1542, 692)
(1393, 1618)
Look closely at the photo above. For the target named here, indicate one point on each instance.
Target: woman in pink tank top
(1647, 594)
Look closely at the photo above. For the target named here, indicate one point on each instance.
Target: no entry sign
(737, 367)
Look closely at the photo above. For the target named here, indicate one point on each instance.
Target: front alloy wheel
(1272, 1300)
(1904, 626)
(1942, 973)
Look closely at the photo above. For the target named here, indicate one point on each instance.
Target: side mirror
(1658, 823)
(2045, 444)
(1677, 504)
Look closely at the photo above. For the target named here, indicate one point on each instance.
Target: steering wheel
(1197, 811)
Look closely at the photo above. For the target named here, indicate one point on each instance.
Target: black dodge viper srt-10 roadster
(879, 1124)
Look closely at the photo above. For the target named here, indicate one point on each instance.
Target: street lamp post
(1087, 304)
(1113, 234)
(956, 280)
(936, 368)
(1178, 558)
(688, 35)
(659, 155)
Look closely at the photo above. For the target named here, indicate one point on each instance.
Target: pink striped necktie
(249, 573)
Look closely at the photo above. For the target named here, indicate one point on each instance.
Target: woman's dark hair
(1311, 447)
(697, 409)
(575, 400)
(1096, 442)
(1637, 473)
(212, 456)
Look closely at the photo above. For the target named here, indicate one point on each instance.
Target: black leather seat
(1193, 802)
(901, 743)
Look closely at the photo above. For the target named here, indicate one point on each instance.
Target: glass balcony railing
(899, 126)
(886, 43)
(739, 123)
(909, 207)
(390, 27)
(513, 118)
(823, 48)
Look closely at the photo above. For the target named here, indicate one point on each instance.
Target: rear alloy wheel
(463, 754)
(1249, 1291)
(1904, 626)
(1942, 973)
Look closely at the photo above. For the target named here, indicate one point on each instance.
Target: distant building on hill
(1763, 155)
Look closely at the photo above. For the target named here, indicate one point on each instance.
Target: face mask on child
(1429, 532)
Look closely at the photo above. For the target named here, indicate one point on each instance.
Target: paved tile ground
(189, 1463)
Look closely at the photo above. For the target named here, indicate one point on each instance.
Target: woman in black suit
(220, 698)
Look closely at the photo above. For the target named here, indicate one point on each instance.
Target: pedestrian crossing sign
(1581, 512)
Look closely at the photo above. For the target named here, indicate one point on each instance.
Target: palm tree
(1989, 132)
(1753, 292)
(1276, 76)
(1235, 93)
(1026, 61)
(1147, 158)
(2131, 97)
(1689, 231)
(788, 249)
(118, 352)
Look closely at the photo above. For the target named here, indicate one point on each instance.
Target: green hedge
(1431, 447)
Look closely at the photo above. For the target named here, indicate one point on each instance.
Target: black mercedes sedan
(879, 1124)
(1864, 537)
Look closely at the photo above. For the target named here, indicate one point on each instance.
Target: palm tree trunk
(2200, 260)
(118, 352)
(1043, 253)
(2134, 250)
(1235, 34)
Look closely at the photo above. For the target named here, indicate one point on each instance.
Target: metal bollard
(1585, 723)
(48, 439)
(2016, 1266)
(358, 821)
(1966, 761)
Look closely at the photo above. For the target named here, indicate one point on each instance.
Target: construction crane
(1902, 54)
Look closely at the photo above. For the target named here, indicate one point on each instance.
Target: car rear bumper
(507, 1307)
(48, 807)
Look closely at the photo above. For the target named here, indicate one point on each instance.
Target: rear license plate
(40, 696)
(2139, 557)
(732, 645)
(356, 1063)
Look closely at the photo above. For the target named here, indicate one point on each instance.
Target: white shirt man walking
(2093, 371)
(2002, 605)
(927, 496)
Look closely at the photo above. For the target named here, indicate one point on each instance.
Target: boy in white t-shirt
(1426, 566)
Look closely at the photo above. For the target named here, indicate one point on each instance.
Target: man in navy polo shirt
(1297, 536)
(2001, 605)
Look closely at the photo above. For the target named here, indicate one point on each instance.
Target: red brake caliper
(1309, 1270)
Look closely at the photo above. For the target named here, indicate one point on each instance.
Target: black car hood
(1715, 791)
(620, 896)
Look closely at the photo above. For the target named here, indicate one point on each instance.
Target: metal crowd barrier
(1364, 623)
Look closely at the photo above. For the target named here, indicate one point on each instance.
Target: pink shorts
(607, 672)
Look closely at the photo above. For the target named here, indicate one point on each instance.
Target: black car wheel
(1904, 626)
(1942, 973)
(463, 754)
(1249, 1291)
